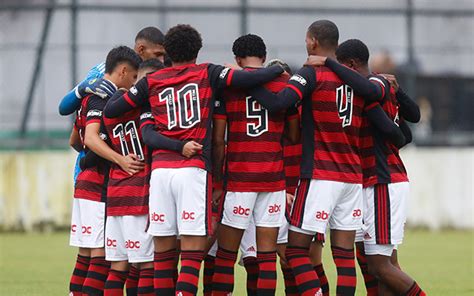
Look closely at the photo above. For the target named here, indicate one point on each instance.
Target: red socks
(290, 284)
(145, 283)
(371, 284)
(251, 267)
(131, 283)
(319, 269)
(415, 290)
(115, 282)
(96, 276)
(164, 267)
(188, 279)
(267, 277)
(223, 279)
(305, 277)
(346, 274)
(79, 275)
(209, 262)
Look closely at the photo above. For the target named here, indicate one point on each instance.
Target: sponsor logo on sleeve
(94, 113)
(224, 73)
(146, 115)
(299, 79)
(134, 90)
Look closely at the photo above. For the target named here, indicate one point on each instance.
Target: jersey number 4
(344, 97)
(189, 111)
(129, 129)
(256, 111)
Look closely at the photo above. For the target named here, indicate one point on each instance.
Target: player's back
(89, 182)
(390, 166)
(331, 124)
(127, 194)
(254, 141)
(181, 100)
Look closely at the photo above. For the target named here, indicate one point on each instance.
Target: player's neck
(251, 62)
(330, 53)
(364, 71)
(177, 64)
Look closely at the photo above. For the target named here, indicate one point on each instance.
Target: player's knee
(380, 269)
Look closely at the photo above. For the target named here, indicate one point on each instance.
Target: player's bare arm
(92, 140)
(75, 140)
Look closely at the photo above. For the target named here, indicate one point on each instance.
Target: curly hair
(249, 45)
(182, 43)
(352, 49)
(121, 54)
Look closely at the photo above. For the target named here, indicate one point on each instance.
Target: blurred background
(47, 46)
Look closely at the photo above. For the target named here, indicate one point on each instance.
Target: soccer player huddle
(183, 163)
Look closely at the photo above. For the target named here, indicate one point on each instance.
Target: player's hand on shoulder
(97, 86)
(392, 79)
(131, 164)
(191, 148)
(314, 60)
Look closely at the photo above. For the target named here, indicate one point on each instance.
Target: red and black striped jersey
(292, 163)
(91, 183)
(127, 194)
(380, 158)
(254, 158)
(181, 100)
(331, 124)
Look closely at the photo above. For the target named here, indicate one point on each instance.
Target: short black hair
(249, 45)
(121, 54)
(153, 64)
(182, 43)
(352, 49)
(325, 32)
(151, 34)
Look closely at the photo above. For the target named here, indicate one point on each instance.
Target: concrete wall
(36, 187)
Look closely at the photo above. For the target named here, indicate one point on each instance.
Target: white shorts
(374, 249)
(267, 209)
(180, 202)
(248, 244)
(385, 213)
(283, 233)
(87, 224)
(127, 240)
(320, 202)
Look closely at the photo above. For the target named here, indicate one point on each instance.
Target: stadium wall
(36, 188)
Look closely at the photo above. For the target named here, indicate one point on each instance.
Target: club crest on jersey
(134, 90)
(96, 113)
(299, 79)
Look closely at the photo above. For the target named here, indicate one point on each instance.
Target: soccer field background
(40, 264)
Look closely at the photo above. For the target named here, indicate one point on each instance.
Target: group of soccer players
(183, 163)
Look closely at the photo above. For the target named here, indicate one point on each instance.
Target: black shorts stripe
(297, 213)
(208, 218)
(382, 214)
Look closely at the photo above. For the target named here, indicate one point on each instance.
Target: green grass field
(40, 264)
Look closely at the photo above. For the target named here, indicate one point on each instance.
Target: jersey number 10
(129, 129)
(188, 99)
